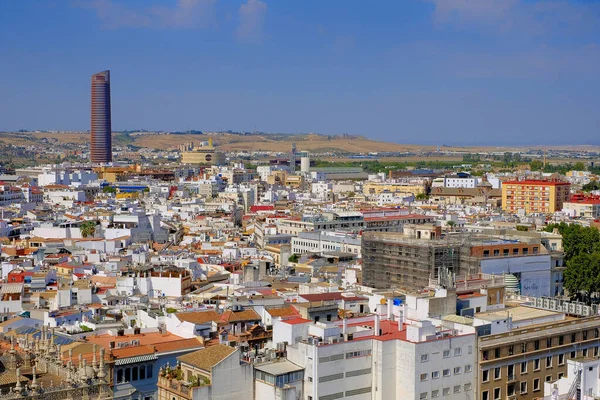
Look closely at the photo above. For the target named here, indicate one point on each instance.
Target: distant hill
(254, 142)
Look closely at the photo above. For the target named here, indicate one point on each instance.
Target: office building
(100, 140)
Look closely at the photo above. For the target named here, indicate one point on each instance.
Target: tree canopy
(581, 247)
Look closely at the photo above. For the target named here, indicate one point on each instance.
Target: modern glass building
(101, 141)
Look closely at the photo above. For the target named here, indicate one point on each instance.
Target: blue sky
(409, 71)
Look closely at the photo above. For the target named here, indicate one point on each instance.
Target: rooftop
(207, 358)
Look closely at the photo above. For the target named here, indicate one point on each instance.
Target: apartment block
(516, 364)
(534, 196)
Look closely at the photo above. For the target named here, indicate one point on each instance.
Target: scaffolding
(393, 260)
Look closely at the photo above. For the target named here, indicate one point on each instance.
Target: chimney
(390, 314)
(377, 325)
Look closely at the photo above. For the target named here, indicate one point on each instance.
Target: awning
(136, 359)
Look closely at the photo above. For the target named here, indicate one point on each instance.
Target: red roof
(334, 296)
(536, 182)
(296, 321)
(268, 207)
(394, 217)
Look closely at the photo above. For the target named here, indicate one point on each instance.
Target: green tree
(593, 185)
(109, 189)
(451, 224)
(536, 165)
(579, 166)
(87, 228)
(582, 276)
(581, 246)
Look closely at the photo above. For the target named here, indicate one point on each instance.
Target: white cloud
(181, 14)
(252, 18)
(532, 17)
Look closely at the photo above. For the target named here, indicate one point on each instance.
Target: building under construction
(397, 260)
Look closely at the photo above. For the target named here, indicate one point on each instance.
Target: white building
(365, 358)
(326, 241)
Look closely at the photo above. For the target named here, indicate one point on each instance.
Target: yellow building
(534, 196)
(283, 178)
(206, 155)
(375, 188)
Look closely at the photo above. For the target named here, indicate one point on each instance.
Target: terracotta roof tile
(207, 358)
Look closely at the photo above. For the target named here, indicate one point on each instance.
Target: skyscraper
(101, 141)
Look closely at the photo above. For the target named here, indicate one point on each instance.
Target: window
(149, 371)
(134, 374)
(561, 359)
(524, 367)
(485, 395)
(119, 375)
(573, 337)
(548, 378)
(446, 392)
(596, 333)
(505, 252)
(497, 352)
(457, 389)
(549, 341)
(143, 372)
(468, 368)
(435, 374)
(446, 372)
(471, 347)
(484, 355)
(536, 345)
(584, 335)
(511, 350)
(446, 353)
(457, 351)
(467, 387)
(127, 376)
(496, 252)
(497, 373)
(485, 375)
(435, 394)
(423, 377)
(359, 353)
(496, 393)
(536, 384)
(424, 357)
(523, 387)
(573, 354)
(536, 364)
(423, 396)
(457, 370)
(523, 347)
(549, 362)
(515, 252)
